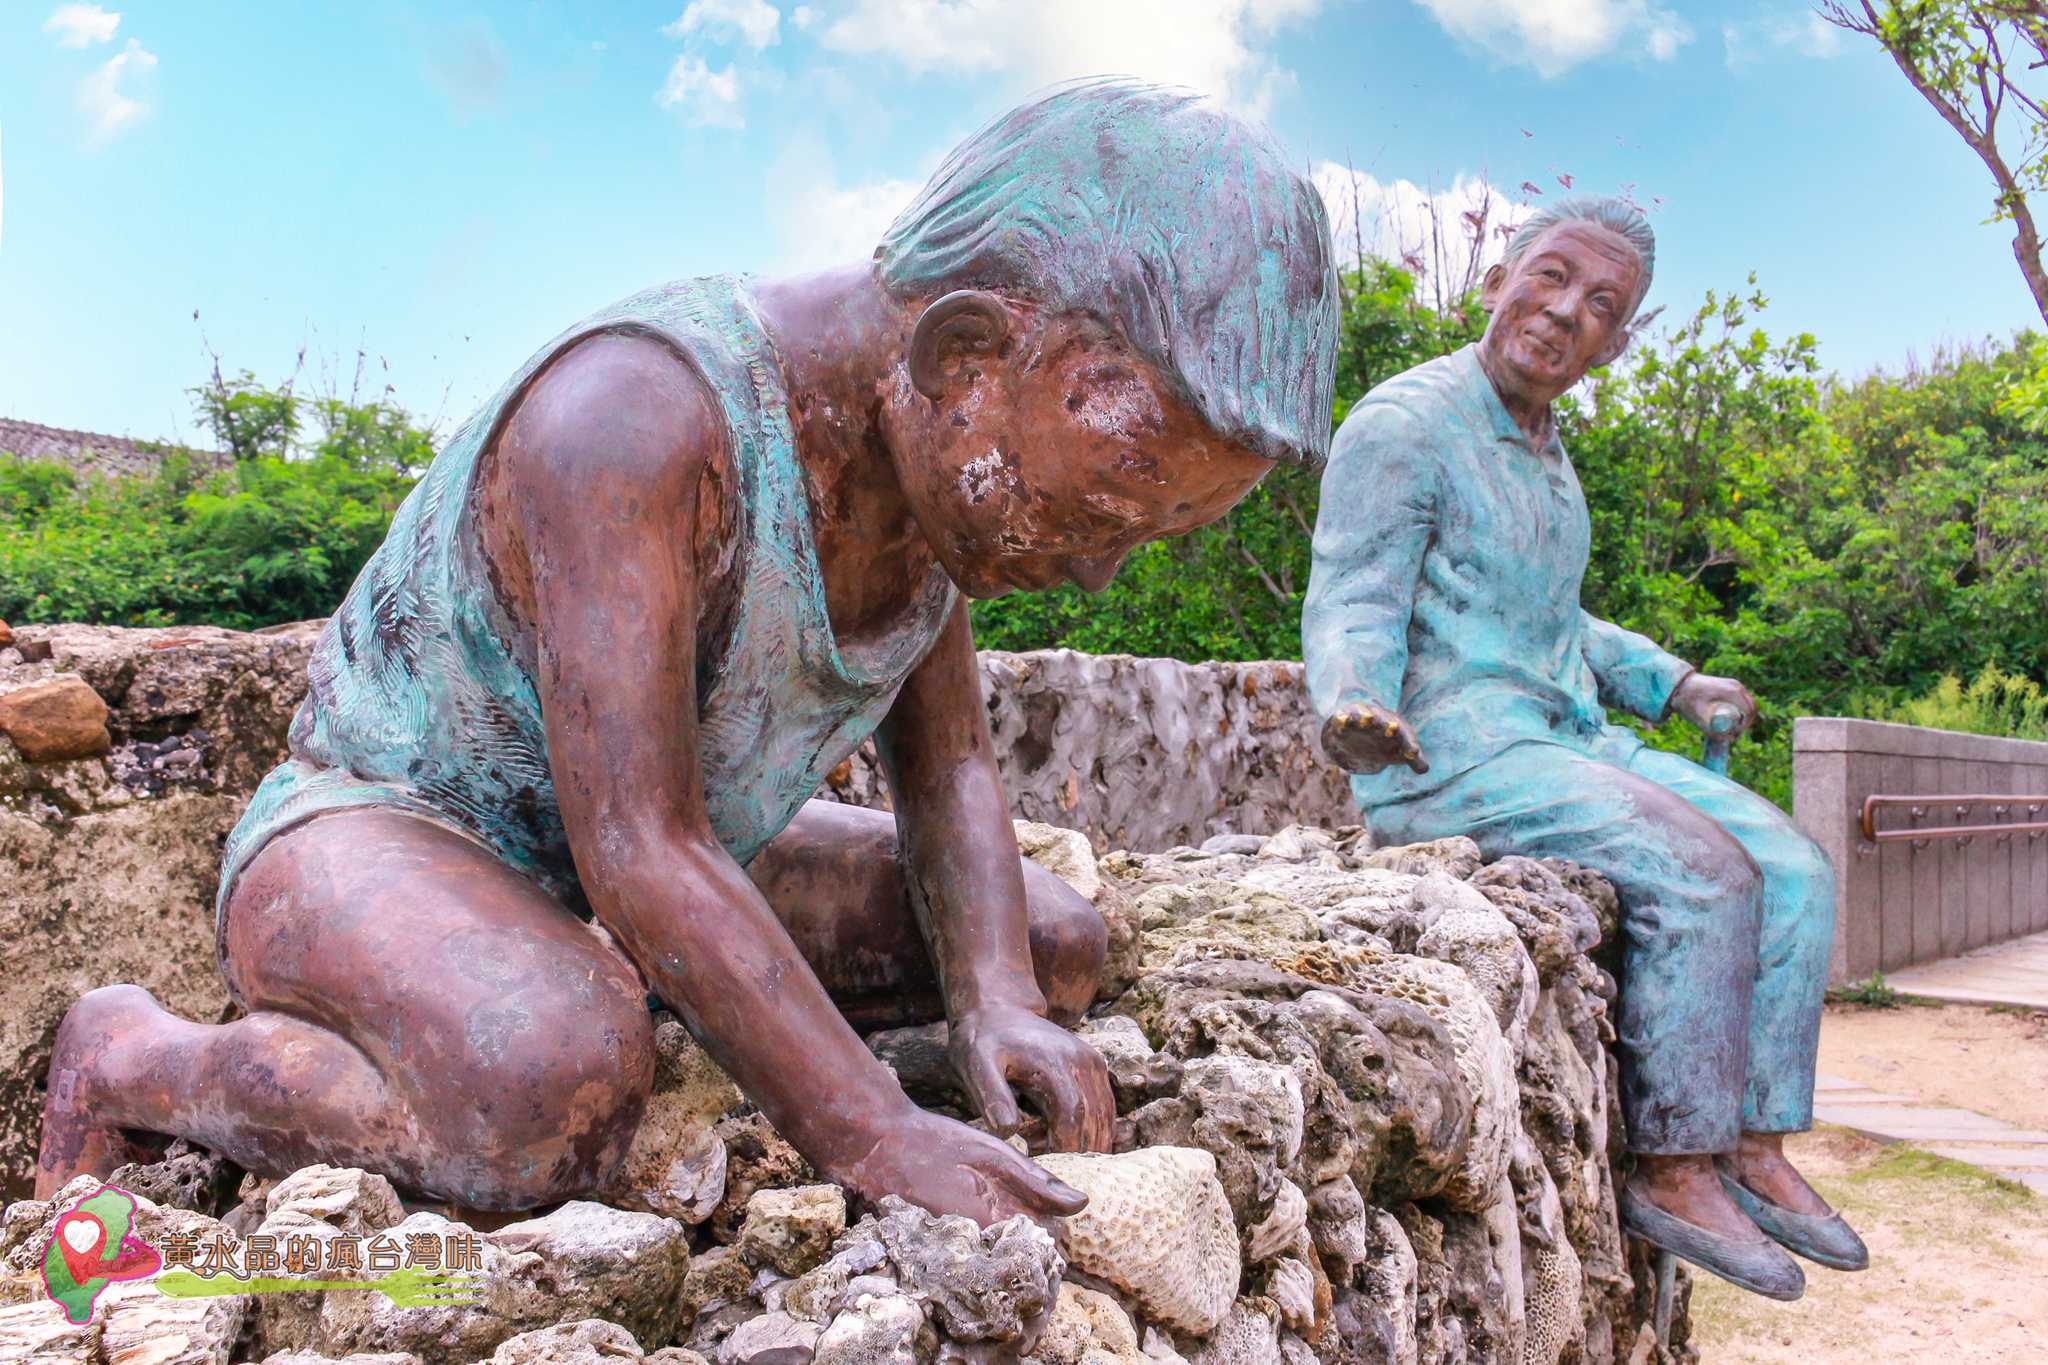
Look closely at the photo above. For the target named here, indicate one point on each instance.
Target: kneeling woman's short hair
(1162, 215)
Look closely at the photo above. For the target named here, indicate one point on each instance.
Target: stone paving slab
(2004, 1158)
(2011, 973)
(1991, 1144)
(1859, 1096)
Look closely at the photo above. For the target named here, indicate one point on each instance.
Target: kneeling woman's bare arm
(961, 865)
(600, 469)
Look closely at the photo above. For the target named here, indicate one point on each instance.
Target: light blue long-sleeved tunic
(1448, 559)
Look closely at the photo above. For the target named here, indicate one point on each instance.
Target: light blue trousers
(1728, 912)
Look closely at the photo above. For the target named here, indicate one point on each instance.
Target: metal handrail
(2034, 803)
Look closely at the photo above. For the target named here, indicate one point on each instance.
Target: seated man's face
(1060, 455)
(1560, 310)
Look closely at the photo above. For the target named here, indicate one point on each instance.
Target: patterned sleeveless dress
(422, 696)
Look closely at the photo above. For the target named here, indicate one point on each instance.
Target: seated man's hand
(1701, 694)
(1364, 738)
(1066, 1079)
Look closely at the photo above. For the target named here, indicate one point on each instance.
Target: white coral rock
(1158, 1227)
(1291, 1285)
(1486, 1064)
(1469, 932)
(1279, 1229)
(1553, 1284)
(1249, 1336)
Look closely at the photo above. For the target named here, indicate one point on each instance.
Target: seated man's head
(1121, 311)
(1562, 299)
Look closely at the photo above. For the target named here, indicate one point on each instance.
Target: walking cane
(1722, 723)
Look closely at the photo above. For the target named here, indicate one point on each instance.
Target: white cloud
(103, 96)
(822, 223)
(708, 98)
(81, 25)
(803, 16)
(1554, 36)
(1212, 45)
(1666, 34)
(469, 64)
(1807, 35)
(1445, 238)
(756, 22)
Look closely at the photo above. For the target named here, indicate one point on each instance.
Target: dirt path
(1973, 1057)
(1955, 1270)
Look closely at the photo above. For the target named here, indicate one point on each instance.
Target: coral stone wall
(1365, 1114)
(126, 756)
(1365, 1096)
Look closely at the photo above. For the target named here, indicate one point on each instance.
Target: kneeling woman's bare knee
(547, 1102)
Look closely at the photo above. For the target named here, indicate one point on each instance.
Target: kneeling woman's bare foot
(81, 1133)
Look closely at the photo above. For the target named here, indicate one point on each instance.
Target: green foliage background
(1848, 547)
(277, 535)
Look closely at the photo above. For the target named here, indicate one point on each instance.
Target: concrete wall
(1908, 901)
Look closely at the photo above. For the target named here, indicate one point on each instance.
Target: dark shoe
(1825, 1239)
(1758, 1266)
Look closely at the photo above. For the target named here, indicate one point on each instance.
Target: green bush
(277, 536)
(1994, 703)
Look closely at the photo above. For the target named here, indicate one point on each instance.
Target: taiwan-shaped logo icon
(93, 1245)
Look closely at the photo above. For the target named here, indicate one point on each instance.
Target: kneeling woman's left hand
(996, 1047)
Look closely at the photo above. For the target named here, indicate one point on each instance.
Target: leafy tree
(1668, 446)
(249, 420)
(1975, 62)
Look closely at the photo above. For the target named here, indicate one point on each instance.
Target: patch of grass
(1872, 994)
(1911, 1163)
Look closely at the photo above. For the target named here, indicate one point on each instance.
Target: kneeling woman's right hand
(947, 1167)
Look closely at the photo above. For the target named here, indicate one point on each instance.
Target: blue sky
(446, 186)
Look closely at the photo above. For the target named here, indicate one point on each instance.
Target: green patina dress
(422, 696)
(1448, 561)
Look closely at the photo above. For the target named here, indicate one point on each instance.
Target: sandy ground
(1990, 1060)
(1956, 1269)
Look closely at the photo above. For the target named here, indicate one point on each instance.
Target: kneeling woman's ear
(953, 332)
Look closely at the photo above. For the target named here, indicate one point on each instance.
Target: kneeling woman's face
(1052, 451)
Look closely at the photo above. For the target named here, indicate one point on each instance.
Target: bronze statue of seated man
(561, 736)
(1459, 678)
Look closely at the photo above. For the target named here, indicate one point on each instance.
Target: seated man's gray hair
(1618, 216)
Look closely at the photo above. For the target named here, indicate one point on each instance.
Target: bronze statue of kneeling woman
(693, 553)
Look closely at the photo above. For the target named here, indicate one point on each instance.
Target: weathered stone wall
(1365, 1097)
(108, 862)
(1365, 1115)
(1147, 753)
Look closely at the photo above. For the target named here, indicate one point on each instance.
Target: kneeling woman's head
(1123, 313)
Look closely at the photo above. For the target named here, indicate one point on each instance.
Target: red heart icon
(80, 1237)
